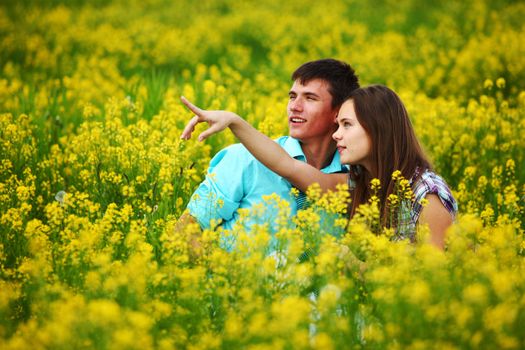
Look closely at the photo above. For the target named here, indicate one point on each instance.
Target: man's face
(310, 113)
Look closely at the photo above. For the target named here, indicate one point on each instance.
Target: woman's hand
(218, 120)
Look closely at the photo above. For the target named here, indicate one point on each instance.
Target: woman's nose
(335, 135)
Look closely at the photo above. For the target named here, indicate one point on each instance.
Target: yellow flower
(375, 184)
(396, 174)
(393, 199)
(475, 293)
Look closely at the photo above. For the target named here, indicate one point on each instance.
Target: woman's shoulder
(431, 183)
(430, 179)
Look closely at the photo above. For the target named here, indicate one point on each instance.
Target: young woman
(376, 137)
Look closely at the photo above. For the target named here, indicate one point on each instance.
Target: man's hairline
(325, 81)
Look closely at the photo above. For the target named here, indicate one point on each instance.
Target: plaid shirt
(428, 183)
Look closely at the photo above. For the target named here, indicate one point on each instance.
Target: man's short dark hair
(339, 75)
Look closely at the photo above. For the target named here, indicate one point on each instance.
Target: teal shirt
(237, 180)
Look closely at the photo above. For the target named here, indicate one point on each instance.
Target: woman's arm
(438, 219)
(268, 152)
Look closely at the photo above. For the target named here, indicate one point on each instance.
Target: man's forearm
(193, 239)
(185, 219)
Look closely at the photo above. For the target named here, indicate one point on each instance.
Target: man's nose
(296, 104)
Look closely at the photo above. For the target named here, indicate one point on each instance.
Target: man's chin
(293, 133)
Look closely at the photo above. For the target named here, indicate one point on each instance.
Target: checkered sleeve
(431, 183)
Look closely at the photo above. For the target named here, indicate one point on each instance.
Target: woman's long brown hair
(394, 145)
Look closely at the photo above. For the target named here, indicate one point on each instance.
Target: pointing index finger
(191, 106)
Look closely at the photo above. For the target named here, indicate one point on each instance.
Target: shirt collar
(293, 148)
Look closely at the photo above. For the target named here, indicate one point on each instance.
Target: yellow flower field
(93, 176)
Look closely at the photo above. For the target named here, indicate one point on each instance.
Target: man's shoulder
(234, 150)
(283, 139)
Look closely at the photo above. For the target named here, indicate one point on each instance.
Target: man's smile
(297, 120)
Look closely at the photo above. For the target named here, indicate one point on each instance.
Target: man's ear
(336, 113)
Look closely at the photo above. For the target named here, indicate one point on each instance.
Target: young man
(237, 180)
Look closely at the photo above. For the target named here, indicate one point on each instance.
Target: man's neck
(319, 154)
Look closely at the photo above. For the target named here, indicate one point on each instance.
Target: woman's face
(353, 143)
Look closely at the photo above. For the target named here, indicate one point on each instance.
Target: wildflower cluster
(93, 176)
